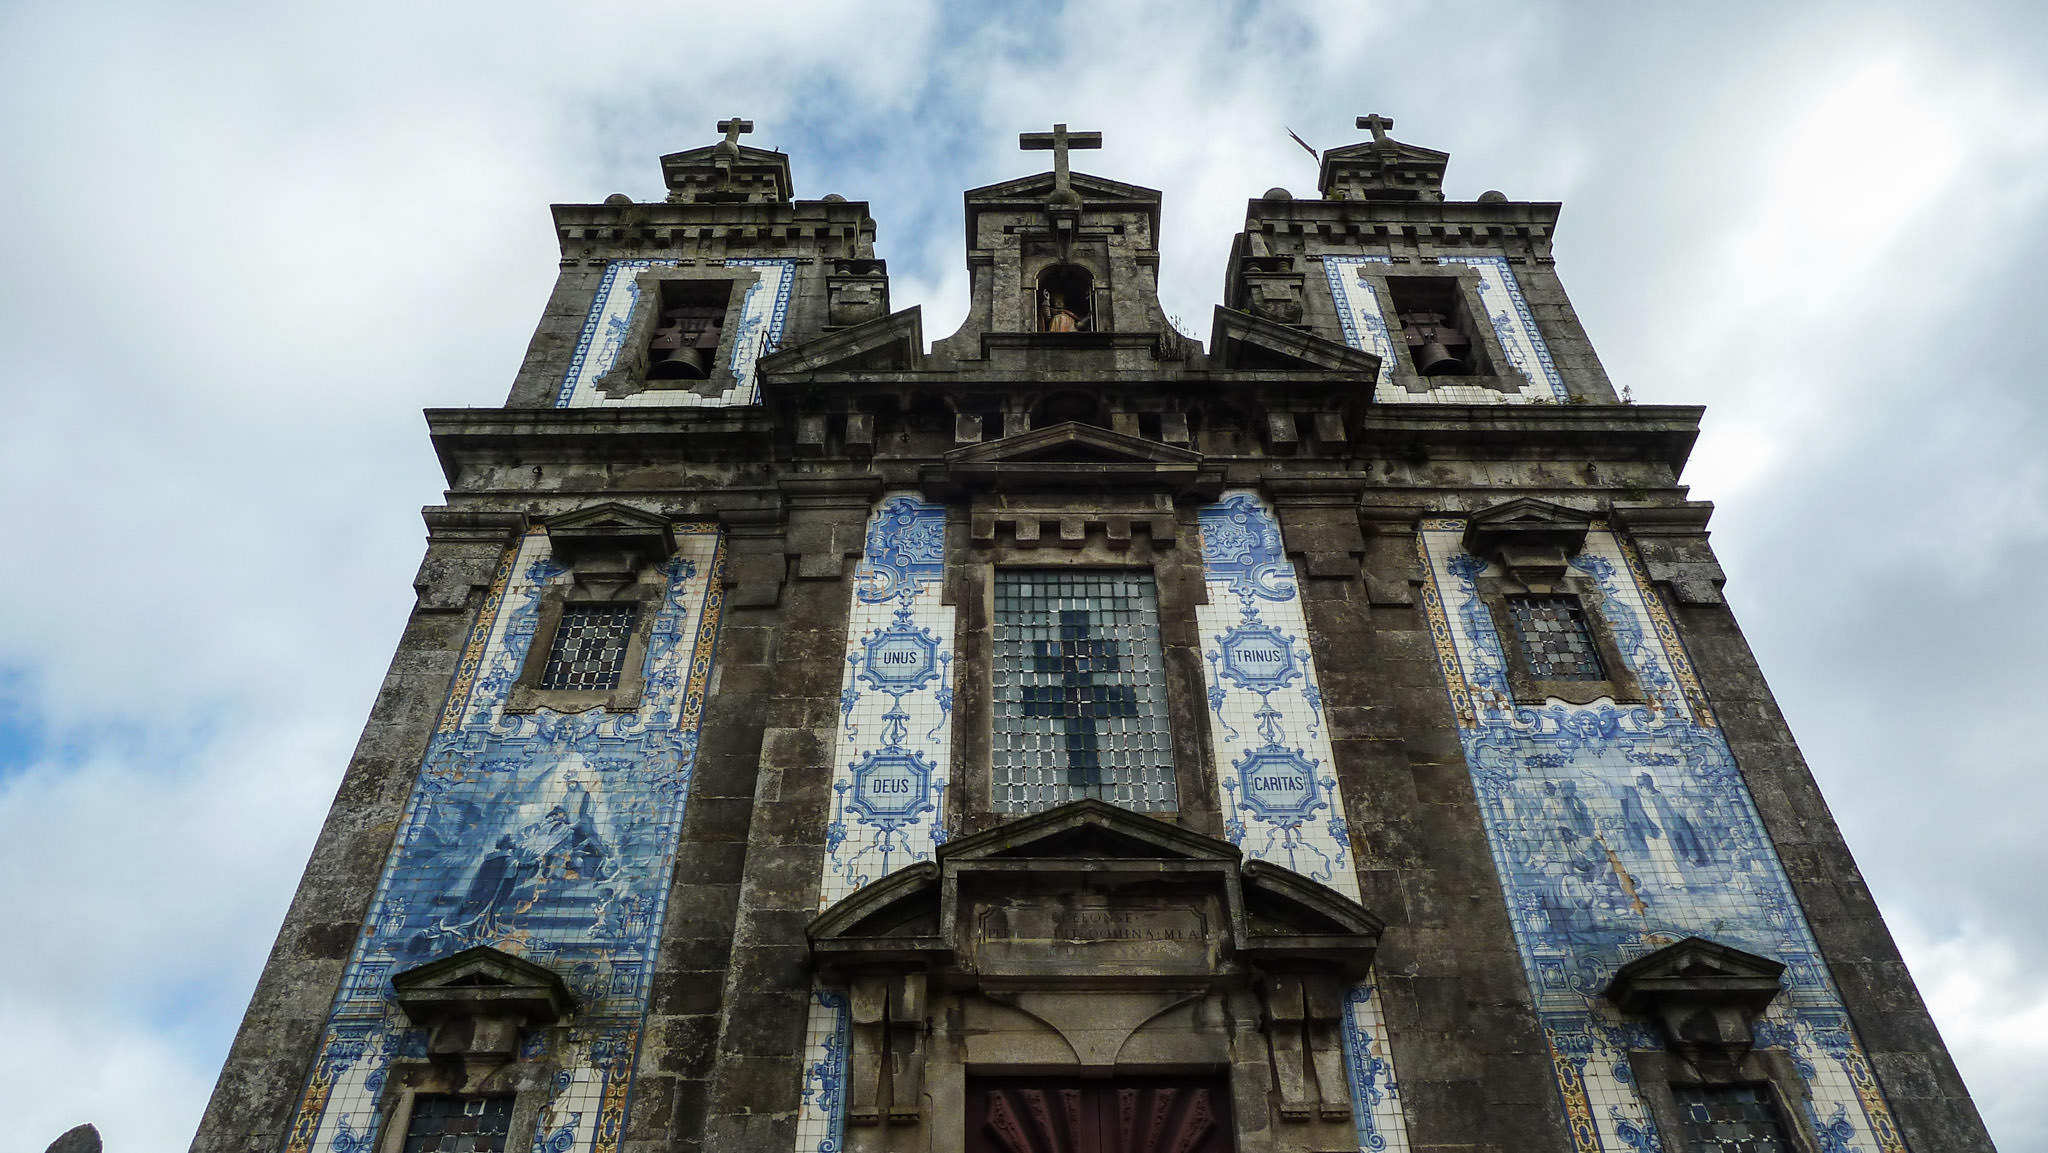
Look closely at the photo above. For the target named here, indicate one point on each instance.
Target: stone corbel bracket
(1673, 542)
(464, 548)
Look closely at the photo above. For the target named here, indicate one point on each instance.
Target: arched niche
(1066, 299)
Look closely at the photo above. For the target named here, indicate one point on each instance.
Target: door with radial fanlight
(1150, 1115)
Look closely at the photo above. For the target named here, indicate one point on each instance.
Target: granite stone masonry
(1069, 734)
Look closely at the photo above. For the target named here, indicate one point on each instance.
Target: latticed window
(589, 647)
(1080, 691)
(444, 1123)
(1729, 1119)
(1557, 644)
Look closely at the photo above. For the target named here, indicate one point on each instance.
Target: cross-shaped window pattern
(1080, 691)
(1729, 1119)
(444, 1123)
(589, 647)
(1557, 644)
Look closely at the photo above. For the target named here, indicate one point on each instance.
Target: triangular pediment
(903, 904)
(892, 343)
(1282, 902)
(1088, 828)
(1696, 969)
(1038, 186)
(1241, 340)
(1091, 853)
(610, 528)
(1389, 151)
(1526, 521)
(1697, 958)
(482, 981)
(608, 516)
(1071, 441)
(1383, 169)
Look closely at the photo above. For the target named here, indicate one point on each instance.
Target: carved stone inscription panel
(1090, 935)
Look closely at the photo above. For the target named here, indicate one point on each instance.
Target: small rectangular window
(1557, 644)
(589, 647)
(1080, 691)
(446, 1123)
(1729, 1119)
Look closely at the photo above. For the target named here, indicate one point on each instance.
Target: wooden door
(1148, 1115)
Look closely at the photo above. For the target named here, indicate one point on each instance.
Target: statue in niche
(1058, 317)
(1065, 295)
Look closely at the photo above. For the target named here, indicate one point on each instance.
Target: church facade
(1071, 735)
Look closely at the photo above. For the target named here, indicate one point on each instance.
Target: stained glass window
(1729, 1119)
(443, 1123)
(1557, 644)
(589, 648)
(1080, 691)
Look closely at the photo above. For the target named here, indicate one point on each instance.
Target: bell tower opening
(686, 334)
(1436, 327)
(1066, 297)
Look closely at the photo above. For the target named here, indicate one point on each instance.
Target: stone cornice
(496, 436)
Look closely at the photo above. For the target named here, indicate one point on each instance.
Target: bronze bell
(1433, 359)
(684, 363)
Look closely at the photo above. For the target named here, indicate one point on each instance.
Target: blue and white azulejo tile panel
(891, 760)
(1273, 758)
(1514, 326)
(1618, 829)
(892, 754)
(549, 836)
(758, 331)
(1267, 731)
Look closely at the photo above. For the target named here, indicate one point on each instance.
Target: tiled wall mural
(1619, 829)
(891, 758)
(549, 836)
(1514, 326)
(1273, 758)
(763, 309)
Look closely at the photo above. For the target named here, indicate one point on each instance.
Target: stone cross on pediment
(1059, 140)
(1377, 125)
(734, 129)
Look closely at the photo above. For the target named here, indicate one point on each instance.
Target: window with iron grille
(589, 647)
(445, 1123)
(1556, 642)
(1729, 1119)
(1080, 691)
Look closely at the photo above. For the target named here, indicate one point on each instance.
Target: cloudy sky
(244, 245)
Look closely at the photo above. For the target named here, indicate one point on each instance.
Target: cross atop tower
(1059, 140)
(1378, 125)
(734, 128)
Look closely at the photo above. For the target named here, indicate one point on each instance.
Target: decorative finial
(1377, 125)
(1059, 140)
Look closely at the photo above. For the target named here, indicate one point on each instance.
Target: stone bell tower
(1072, 735)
